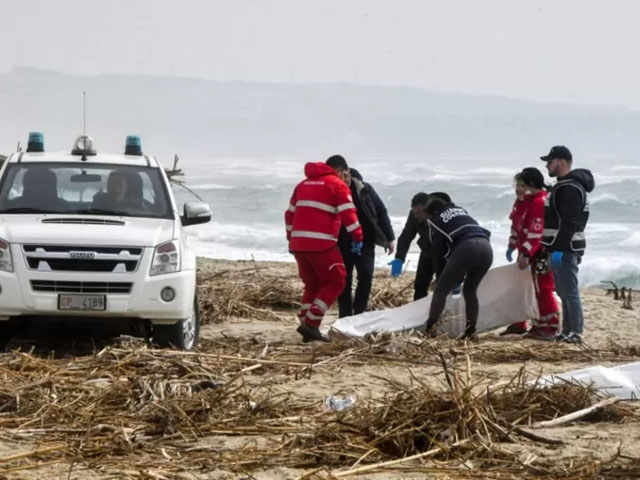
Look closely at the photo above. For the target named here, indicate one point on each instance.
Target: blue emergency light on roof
(133, 145)
(36, 142)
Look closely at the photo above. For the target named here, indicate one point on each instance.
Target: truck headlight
(6, 264)
(166, 258)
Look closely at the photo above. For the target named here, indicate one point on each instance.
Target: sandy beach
(249, 334)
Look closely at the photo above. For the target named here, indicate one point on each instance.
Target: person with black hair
(416, 224)
(460, 248)
(528, 227)
(377, 230)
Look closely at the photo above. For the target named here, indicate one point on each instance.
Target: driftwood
(621, 293)
(575, 415)
(376, 466)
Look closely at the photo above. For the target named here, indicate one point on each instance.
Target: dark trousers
(348, 304)
(424, 276)
(470, 260)
(566, 278)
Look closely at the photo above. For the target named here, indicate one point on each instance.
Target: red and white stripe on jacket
(318, 206)
(516, 212)
(528, 223)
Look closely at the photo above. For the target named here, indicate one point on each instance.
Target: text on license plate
(82, 302)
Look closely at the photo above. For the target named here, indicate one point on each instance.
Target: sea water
(248, 197)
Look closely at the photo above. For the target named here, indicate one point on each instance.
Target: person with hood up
(528, 223)
(416, 224)
(565, 218)
(376, 229)
(460, 248)
(319, 205)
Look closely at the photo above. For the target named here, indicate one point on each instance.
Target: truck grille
(62, 258)
(80, 287)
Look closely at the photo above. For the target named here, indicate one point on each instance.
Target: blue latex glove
(510, 254)
(556, 258)
(396, 267)
(457, 288)
(356, 247)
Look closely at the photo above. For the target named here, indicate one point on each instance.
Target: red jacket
(527, 223)
(318, 206)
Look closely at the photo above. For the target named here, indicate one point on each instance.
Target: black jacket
(372, 215)
(412, 227)
(566, 212)
(447, 229)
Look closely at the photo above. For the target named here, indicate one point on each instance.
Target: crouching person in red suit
(320, 204)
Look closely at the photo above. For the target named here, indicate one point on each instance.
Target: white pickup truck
(87, 234)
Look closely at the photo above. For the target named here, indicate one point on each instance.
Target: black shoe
(514, 330)
(575, 338)
(311, 334)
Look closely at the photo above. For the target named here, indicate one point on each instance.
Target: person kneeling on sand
(460, 248)
(318, 206)
(528, 223)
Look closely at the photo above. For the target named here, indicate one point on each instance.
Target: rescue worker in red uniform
(528, 222)
(320, 204)
(517, 212)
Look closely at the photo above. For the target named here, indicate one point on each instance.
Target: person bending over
(416, 224)
(460, 248)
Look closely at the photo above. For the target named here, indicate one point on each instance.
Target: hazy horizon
(574, 51)
(206, 118)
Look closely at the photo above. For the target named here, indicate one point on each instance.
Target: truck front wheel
(184, 334)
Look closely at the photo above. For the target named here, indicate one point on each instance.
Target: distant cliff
(192, 116)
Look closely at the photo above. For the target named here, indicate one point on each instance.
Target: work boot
(311, 334)
(513, 329)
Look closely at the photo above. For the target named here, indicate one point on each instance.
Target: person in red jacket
(528, 222)
(517, 212)
(320, 204)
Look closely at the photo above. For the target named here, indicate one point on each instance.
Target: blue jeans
(566, 278)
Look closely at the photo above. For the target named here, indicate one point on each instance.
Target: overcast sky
(582, 51)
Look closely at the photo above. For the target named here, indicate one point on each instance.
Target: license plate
(82, 302)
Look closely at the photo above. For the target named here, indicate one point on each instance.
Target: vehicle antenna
(84, 113)
(84, 125)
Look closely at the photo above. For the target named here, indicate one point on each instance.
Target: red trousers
(547, 305)
(324, 277)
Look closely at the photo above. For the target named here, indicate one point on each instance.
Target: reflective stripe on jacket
(573, 225)
(318, 206)
(528, 222)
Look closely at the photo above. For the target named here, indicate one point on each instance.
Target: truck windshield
(95, 189)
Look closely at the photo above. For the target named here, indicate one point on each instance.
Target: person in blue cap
(565, 217)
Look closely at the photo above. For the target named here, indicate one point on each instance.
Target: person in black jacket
(416, 224)
(565, 217)
(460, 248)
(377, 230)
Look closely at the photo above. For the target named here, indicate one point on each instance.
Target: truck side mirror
(195, 213)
